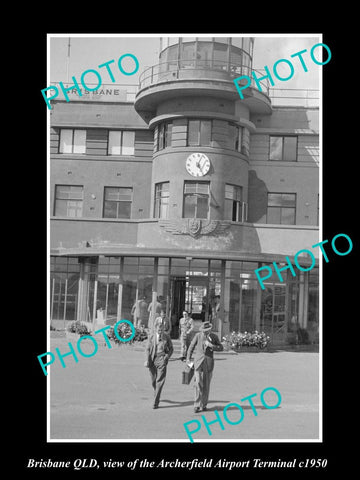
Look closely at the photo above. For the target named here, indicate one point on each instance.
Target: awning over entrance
(134, 250)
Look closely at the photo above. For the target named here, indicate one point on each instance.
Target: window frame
(283, 137)
(196, 195)
(73, 145)
(72, 199)
(164, 135)
(281, 207)
(241, 206)
(199, 143)
(121, 154)
(119, 187)
(158, 200)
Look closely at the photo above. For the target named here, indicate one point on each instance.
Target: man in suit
(159, 349)
(204, 344)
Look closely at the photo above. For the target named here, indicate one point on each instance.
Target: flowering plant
(124, 331)
(78, 327)
(236, 340)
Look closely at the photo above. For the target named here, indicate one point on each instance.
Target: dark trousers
(203, 377)
(157, 370)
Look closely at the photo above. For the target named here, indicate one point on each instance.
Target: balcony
(193, 77)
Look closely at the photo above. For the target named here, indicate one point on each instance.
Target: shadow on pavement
(187, 403)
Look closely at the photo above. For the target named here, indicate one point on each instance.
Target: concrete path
(109, 397)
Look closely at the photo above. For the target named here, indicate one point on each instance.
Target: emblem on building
(194, 227)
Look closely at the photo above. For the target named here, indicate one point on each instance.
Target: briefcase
(187, 375)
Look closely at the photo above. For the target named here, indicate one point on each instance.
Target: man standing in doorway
(204, 344)
(186, 325)
(165, 321)
(139, 312)
(153, 311)
(159, 349)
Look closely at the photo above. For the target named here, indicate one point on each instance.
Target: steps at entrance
(176, 345)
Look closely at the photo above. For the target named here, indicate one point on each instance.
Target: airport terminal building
(177, 190)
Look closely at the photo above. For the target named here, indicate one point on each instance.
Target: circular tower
(201, 127)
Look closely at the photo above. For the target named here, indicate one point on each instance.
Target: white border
(186, 441)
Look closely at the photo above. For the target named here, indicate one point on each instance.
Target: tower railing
(295, 97)
(182, 69)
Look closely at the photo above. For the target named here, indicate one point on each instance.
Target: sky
(87, 52)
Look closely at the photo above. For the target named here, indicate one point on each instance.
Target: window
(196, 199)
(164, 135)
(283, 148)
(204, 55)
(235, 208)
(235, 137)
(68, 200)
(281, 208)
(161, 206)
(199, 132)
(187, 54)
(121, 142)
(72, 141)
(318, 210)
(220, 56)
(117, 202)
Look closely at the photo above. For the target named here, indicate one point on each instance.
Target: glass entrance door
(196, 297)
(189, 293)
(273, 308)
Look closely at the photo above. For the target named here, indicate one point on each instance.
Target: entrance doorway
(273, 312)
(193, 294)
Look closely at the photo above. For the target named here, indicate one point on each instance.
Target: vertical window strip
(161, 204)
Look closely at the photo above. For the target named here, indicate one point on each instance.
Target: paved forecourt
(109, 396)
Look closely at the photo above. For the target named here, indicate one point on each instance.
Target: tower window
(199, 132)
(164, 135)
(196, 199)
(161, 205)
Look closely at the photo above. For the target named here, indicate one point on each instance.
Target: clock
(197, 164)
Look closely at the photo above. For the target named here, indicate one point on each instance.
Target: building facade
(178, 192)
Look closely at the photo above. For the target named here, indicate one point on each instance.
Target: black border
(339, 214)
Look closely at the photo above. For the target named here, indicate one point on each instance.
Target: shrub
(236, 340)
(124, 331)
(80, 328)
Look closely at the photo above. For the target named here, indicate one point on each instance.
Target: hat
(204, 327)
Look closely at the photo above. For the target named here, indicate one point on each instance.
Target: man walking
(159, 349)
(204, 344)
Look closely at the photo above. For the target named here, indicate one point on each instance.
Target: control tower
(201, 126)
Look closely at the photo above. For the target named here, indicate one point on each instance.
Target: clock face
(197, 164)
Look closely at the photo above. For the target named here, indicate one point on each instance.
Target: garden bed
(246, 342)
